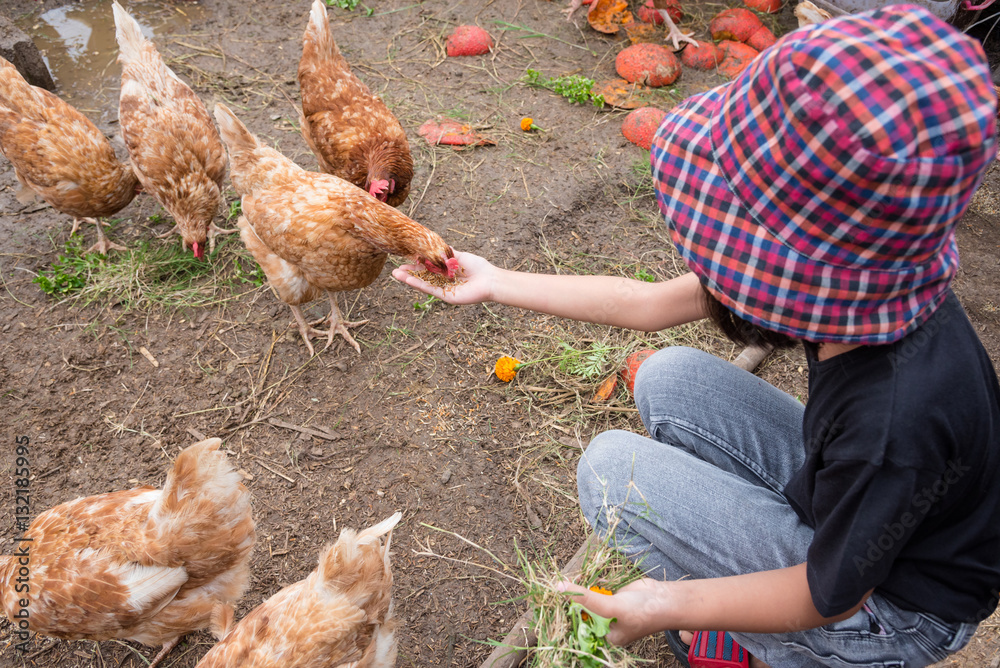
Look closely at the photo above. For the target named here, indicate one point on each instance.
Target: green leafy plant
(575, 88)
(253, 276)
(68, 274)
(643, 275)
(235, 209)
(586, 362)
(589, 631)
(350, 5)
(425, 305)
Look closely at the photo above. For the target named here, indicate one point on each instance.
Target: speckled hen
(340, 615)
(351, 131)
(314, 232)
(175, 149)
(145, 564)
(60, 155)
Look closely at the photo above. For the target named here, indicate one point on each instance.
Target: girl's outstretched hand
(474, 284)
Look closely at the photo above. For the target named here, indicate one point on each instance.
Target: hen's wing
(285, 277)
(57, 152)
(313, 223)
(296, 628)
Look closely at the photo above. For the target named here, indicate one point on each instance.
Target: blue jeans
(703, 498)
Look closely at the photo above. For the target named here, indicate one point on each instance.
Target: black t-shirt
(902, 475)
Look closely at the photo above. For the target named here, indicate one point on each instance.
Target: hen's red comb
(377, 187)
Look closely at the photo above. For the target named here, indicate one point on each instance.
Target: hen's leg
(167, 646)
(573, 6)
(673, 32)
(77, 221)
(103, 245)
(214, 230)
(339, 326)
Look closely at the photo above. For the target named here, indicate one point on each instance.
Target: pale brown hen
(145, 564)
(175, 149)
(349, 128)
(315, 232)
(340, 615)
(60, 155)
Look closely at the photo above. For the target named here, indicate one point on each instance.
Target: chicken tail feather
(222, 620)
(358, 557)
(202, 478)
(318, 38)
(129, 36)
(236, 135)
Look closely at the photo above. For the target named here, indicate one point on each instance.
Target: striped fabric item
(712, 649)
(817, 194)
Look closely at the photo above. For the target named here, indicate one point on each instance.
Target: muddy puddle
(78, 43)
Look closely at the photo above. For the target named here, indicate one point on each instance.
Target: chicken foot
(674, 34)
(176, 228)
(103, 245)
(337, 325)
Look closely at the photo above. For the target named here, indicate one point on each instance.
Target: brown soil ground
(419, 423)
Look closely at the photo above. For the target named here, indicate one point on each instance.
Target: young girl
(815, 199)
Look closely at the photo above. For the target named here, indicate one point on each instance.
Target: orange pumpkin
(632, 364)
(737, 57)
(735, 24)
(705, 56)
(641, 124)
(650, 64)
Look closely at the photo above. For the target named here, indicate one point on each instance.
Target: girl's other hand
(638, 607)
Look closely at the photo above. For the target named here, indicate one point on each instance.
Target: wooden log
(514, 647)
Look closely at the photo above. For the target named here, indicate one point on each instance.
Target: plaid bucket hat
(817, 194)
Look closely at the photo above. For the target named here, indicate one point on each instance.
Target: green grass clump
(575, 88)
(69, 272)
(150, 274)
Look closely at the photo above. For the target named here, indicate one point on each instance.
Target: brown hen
(351, 131)
(175, 149)
(60, 155)
(315, 232)
(340, 615)
(145, 564)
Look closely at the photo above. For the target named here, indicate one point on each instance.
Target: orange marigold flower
(506, 368)
(527, 123)
(601, 590)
